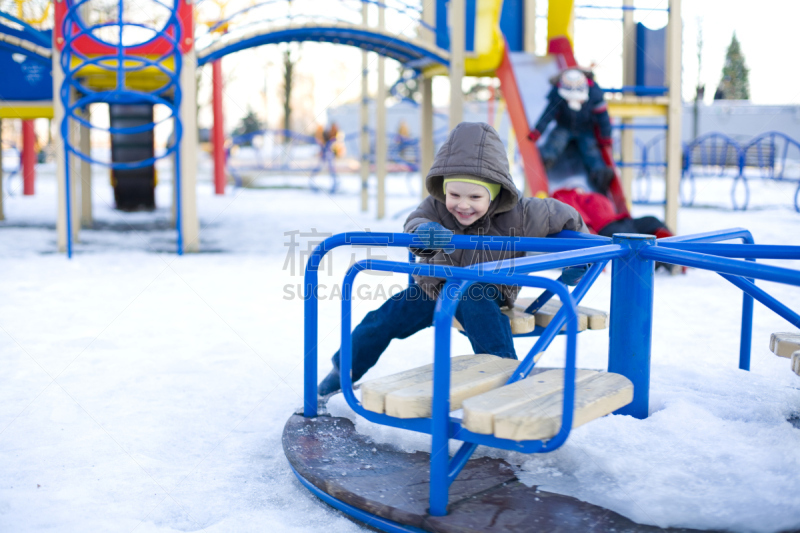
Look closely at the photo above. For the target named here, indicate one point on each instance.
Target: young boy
(471, 193)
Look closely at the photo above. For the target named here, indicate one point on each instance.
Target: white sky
(766, 30)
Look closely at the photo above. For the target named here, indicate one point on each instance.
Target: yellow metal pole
(560, 17)
(75, 176)
(426, 148)
(61, 180)
(457, 44)
(530, 27)
(86, 174)
(188, 151)
(628, 78)
(2, 213)
(673, 176)
(364, 118)
(380, 123)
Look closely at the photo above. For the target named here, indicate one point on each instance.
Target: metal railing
(770, 155)
(632, 292)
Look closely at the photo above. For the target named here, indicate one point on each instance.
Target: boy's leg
(488, 330)
(554, 146)
(399, 317)
(600, 175)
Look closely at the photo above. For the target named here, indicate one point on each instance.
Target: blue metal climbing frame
(117, 60)
(281, 21)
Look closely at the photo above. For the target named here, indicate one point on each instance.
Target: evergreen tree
(734, 84)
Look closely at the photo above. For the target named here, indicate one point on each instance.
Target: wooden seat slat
(529, 415)
(479, 411)
(593, 318)
(373, 392)
(784, 344)
(522, 322)
(416, 401)
(595, 396)
(409, 394)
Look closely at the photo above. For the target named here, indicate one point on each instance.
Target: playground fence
(769, 156)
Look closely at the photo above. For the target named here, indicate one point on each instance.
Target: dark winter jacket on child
(476, 149)
(593, 112)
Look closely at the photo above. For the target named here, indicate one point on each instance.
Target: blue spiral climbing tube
(117, 60)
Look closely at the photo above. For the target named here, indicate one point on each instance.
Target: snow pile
(145, 391)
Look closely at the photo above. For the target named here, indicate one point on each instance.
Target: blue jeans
(557, 142)
(410, 311)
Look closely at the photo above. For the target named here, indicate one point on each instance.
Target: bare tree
(290, 60)
(700, 89)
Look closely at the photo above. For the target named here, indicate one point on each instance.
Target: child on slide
(471, 193)
(577, 105)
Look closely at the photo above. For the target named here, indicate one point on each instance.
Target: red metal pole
(218, 139)
(28, 157)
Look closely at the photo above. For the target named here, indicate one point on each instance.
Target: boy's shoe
(331, 383)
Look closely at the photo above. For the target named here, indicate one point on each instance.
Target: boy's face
(466, 201)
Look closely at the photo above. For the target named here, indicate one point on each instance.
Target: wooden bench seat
(784, 344)
(531, 409)
(787, 345)
(522, 322)
(409, 394)
(592, 318)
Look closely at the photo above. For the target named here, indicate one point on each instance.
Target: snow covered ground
(141, 391)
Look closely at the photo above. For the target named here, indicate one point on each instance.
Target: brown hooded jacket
(475, 148)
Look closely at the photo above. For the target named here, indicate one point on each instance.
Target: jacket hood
(474, 148)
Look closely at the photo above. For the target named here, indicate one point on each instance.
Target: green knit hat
(492, 187)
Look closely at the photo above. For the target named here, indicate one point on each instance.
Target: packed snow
(142, 391)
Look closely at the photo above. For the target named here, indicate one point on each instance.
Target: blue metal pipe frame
(633, 259)
(631, 324)
(571, 240)
(746, 334)
(441, 426)
(396, 48)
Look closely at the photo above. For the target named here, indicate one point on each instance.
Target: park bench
(787, 345)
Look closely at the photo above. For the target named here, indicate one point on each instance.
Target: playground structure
(26, 91)
(506, 406)
(134, 62)
(497, 41)
(132, 67)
